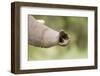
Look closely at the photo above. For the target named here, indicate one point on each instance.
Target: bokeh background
(75, 27)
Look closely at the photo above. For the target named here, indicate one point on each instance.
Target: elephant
(40, 35)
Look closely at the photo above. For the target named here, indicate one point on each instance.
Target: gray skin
(40, 35)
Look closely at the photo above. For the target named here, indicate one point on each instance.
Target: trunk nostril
(63, 38)
(63, 35)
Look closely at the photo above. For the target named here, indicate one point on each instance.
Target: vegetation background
(75, 27)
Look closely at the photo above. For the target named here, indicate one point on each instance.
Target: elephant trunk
(42, 36)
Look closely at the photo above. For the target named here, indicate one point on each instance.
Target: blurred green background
(75, 27)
